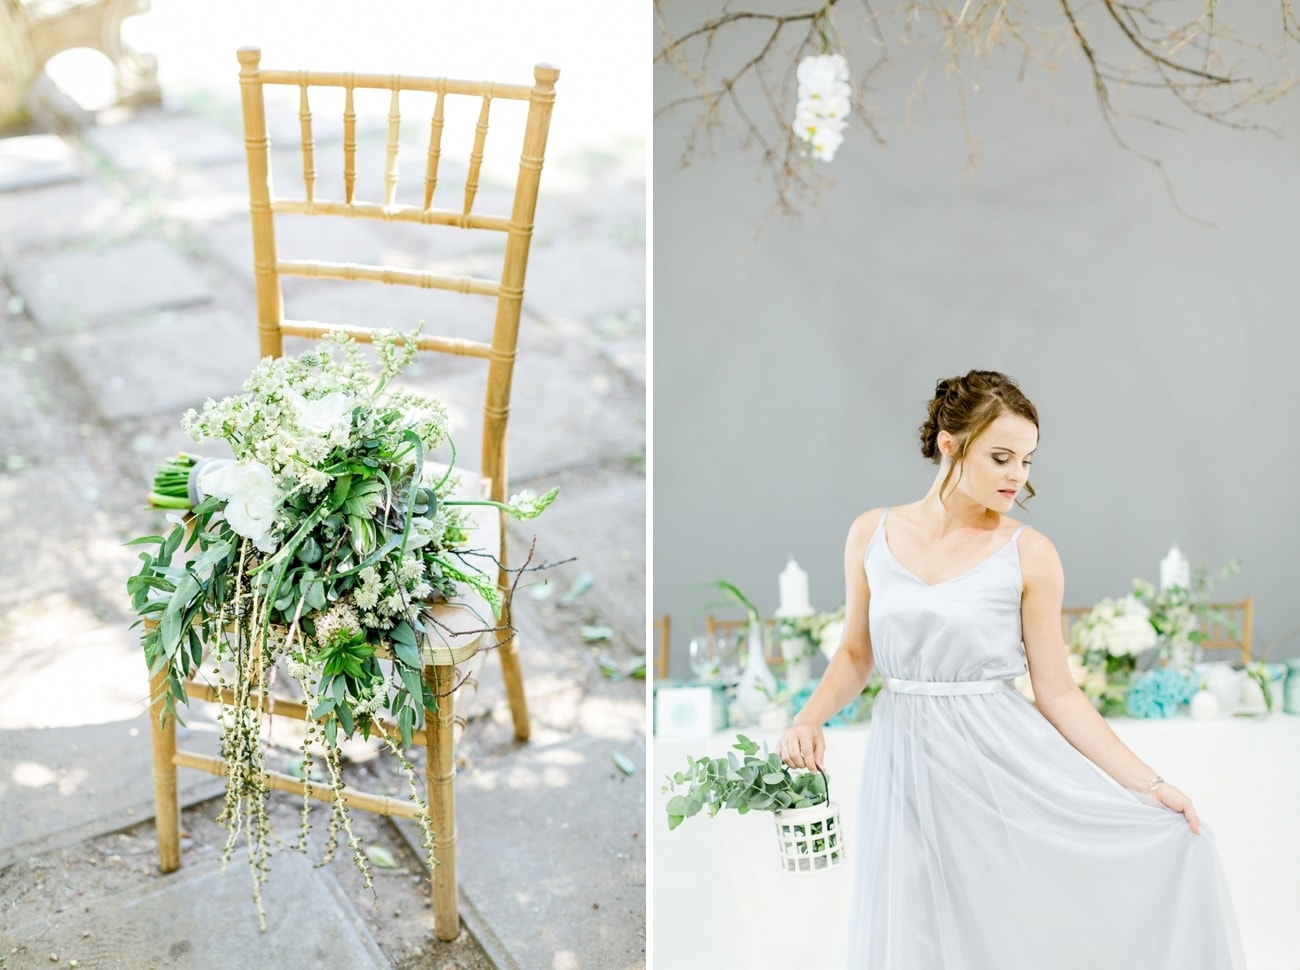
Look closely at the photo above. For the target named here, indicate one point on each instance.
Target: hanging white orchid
(824, 103)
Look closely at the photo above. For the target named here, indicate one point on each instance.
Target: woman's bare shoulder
(865, 524)
(1037, 552)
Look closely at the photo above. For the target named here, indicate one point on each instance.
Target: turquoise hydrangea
(1160, 692)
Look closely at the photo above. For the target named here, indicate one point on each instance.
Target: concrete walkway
(126, 296)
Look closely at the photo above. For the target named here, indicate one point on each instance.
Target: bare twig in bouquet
(1130, 47)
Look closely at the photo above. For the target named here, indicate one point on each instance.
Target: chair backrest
(732, 627)
(1232, 633)
(1226, 636)
(1070, 615)
(517, 225)
(663, 626)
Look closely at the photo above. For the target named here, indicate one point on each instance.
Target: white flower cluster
(1120, 628)
(822, 112)
(387, 595)
(293, 415)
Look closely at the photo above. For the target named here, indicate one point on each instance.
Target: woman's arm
(1058, 698)
(804, 744)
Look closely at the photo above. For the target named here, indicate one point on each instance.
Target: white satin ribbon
(945, 687)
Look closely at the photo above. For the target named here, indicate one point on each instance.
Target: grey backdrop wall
(791, 372)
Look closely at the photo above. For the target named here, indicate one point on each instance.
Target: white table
(721, 898)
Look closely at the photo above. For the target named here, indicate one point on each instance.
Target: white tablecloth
(721, 898)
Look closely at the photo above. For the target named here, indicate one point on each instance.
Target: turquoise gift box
(688, 709)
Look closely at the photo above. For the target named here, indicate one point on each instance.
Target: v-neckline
(884, 536)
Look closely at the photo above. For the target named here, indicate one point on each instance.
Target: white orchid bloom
(251, 495)
(825, 142)
(820, 72)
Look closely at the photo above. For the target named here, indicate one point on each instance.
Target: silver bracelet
(1156, 782)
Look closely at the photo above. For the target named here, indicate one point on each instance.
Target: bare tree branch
(1201, 65)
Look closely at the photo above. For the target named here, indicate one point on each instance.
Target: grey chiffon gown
(986, 841)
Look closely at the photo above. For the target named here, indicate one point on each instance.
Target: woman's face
(997, 463)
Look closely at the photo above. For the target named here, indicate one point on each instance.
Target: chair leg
(167, 809)
(513, 675)
(440, 771)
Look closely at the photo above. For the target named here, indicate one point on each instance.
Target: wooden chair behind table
(1230, 641)
(498, 356)
(1228, 638)
(1070, 615)
(735, 628)
(663, 626)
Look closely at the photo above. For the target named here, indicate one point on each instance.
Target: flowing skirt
(987, 842)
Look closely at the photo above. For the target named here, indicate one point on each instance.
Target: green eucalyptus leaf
(405, 721)
(310, 550)
(413, 682)
(316, 595)
(407, 654)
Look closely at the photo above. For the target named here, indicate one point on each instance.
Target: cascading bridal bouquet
(315, 553)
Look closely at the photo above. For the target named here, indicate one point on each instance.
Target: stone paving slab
(85, 554)
(62, 785)
(153, 143)
(164, 363)
(63, 213)
(528, 896)
(610, 551)
(582, 278)
(31, 160)
(75, 288)
(567, 409)
(197, 919)
(329, 239)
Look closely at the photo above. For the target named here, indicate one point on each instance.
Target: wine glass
(728, 648)
(704, 657)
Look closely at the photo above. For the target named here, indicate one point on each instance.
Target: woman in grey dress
(996, 834)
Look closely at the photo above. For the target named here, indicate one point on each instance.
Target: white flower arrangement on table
(323, 544)
(1107, 642)
(815, 629)
(824, 102)
(1179, 614)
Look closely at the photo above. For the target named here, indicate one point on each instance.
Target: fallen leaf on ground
(381, 857)
(624, 763)
(580, 586)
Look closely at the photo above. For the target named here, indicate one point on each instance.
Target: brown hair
(965, 407)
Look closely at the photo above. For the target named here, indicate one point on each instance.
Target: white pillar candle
(794, 591)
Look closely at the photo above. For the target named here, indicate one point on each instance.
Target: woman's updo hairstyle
(965, 407)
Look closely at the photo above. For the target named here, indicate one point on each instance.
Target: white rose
(1078, 670)
(251, 497)
(325, 415)
(832, 633)
(1130, 634)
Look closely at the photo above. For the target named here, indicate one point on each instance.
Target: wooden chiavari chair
(489, 480)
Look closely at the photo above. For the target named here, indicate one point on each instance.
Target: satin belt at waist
(947, 686)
